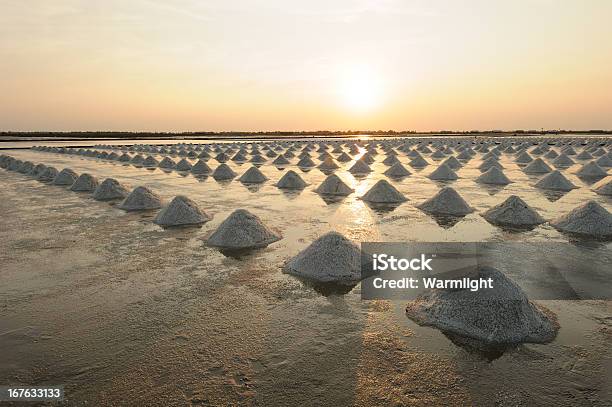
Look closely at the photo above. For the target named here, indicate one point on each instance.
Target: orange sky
(146, 65)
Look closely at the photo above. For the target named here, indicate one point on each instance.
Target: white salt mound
(555, 181)
(333, 185)
(110, 189)
(306, 162)
(167, 163)
(502, 315)
(383, 192)
(360, 167)
(242, 230)
(65, 177)
(591, 170)
(291, 180)
(443, 172)
(513, 212)
(181, 211)
(604, 189)
(141, 199)
(223, 172)
(330, 258)
(589, 219)
(397, 170)
(494, 176)
(85, 183)
(200, 168)
(183, 165)
(47, 175)
(538, 166)
(253, 176)
(446, 202)
(328, 164)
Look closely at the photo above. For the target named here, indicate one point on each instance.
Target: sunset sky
(220, 65)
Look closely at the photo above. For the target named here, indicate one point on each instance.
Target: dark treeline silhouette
(273, 134)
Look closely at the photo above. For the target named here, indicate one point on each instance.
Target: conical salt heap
(167, 163)
(452, 163)
(344, 158)
(241, 231)
(513, 212)
(333, 185)
(48, 175)
(523, 158)
(110, 189)
(328, 164)
(306, 162)
(589, 219)
(555, 181)
(85, 183)
(280, 160)
(551, 155)
(491, 162)
(591, 170)
(252, 176)
(141, 199)
(446, 202)
(563, 161)
(200, 168)
(493, 317)
(137, 159)
(391, 160)
(150, 161)
(443, 172)
(291, 180)
(223, 172)
(37, 170)
(397, 170)
(183, 165)
(182, 211)
(360, 167)
(494, 176)
(26, 167)
(604, 161)
(605, 188)
(584, 155)
(330, 258)
(418, 162)
(15, 165)
(383, 192)
(538, 166)
(65, 177)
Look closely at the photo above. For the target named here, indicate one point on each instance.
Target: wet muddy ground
(123, 312)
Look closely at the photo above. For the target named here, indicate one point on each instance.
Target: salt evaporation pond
(100, 299)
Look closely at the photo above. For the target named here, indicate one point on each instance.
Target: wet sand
(125, 313)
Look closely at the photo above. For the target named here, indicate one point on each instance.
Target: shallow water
(100, 299)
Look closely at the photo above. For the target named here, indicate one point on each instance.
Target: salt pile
(328, 164)
(584, 155)
(491, 162)
(589, 219)
(344, 157)
(538, 166)
(280, 160)
(110, 189)
(330, 258)
(182, 211)
(200, 168)
(242, 230)
(452, 163)
(563, 161)
(443, 172)
(253, 176)
(591, 170)
(383, 192)
(26, 167)
(397, 170)
(150, 161)
(291, 180)
(137, 159)
(555, 181)
(65, 177)
(306, 162)
(604, 161)
(360, 167)
(183, 165)
(15, 165)
(223, 172)
(391, 160)
(446, 202)
(494, 176)
(418, 162)
(523, 158)
(85, 183)
(494, 317)
(333, 185)
(604, 189)
(513, 212)
(37, 170)
(167, 163)
(140, 199)
(47, 175)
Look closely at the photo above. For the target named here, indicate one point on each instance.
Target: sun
(360, 89)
